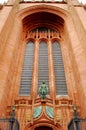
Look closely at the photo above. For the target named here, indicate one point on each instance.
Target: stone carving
(37, 111)
(50, 111)
(28, 117)
(43, 90)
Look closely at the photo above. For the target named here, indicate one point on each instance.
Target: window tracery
(43, 37)
(26, 78)
(60, 80)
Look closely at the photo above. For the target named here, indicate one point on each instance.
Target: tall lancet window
(61, 88)
(26, 78)
(43, 64)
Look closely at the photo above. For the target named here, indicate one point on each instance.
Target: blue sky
(83, 1)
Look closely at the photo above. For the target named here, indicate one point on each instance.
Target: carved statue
(43, 90)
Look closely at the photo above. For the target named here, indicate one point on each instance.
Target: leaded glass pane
(26, 79)
(43, 64)
(61, 88)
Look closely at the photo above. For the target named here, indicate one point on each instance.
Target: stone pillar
(51, 70)
(35, 75)
(35, 70)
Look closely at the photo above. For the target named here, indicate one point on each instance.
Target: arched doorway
(43, 128)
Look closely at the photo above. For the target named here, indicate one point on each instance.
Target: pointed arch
(26, 79)
(25, 11)
(44, 123)
(43, 63)
(60, 80)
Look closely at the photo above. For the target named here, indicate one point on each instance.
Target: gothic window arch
(26, 78)
(60, 79)
(43, 63)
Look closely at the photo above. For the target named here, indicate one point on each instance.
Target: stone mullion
(35, 76)
(51, 70)
(51, 75)
(35, 70)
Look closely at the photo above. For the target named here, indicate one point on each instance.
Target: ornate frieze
(43, 34)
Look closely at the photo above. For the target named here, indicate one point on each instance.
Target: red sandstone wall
(10, 38)
(12, 50)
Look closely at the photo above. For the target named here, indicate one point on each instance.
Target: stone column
(51, 70)
(35, 75)
(51, 75)
(35, 70)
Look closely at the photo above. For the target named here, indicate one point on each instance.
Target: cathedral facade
(43, 62)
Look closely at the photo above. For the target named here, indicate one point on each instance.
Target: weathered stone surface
(16, 23)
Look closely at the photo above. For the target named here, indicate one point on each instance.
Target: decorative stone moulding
(41, 101)
(37, 111)
(43, 35)
(48, 110)
(23, 102)
(63, 101)
(43, 111)
(59, 1)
